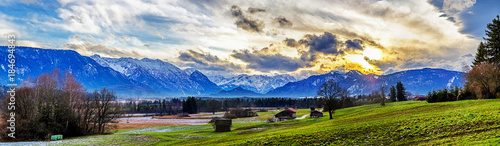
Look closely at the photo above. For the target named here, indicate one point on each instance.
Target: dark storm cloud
(283, 22)
(309, 48)
(326, 43)
(198, 57)
(267, 59)
(206, 61)
(264, 62)
(354, 44)
(290, 42)
(255, 10)
(246, 22)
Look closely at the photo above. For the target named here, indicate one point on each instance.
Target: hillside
(466, 122)
(237, 92)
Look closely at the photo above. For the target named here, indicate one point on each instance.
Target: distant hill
(237, 92)
(419, 81)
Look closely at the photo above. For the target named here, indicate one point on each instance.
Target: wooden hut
(222, 125)
(316, 114)
(287, 114)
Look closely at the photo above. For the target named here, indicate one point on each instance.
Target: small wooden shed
(287, 114)
(222, 125)
(316, 114)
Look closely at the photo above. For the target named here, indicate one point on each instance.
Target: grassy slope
(400, 123)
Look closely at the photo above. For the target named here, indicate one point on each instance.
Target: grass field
(470, 122)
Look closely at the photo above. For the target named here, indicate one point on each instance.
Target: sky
(228, 37)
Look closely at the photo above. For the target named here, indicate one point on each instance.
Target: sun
(365, 59)
(360, 60)
(372, 54)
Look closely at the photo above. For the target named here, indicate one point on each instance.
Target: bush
(242, 112)
(230, 116)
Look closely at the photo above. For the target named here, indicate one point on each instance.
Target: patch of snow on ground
(303, 117)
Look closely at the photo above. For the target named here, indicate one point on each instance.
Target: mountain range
(145, 77)
(419, 81)
(256, 83)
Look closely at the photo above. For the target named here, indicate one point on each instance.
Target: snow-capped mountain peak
(256, 83)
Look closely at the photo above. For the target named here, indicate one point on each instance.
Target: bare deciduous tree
(330, 92)
(483, 80)
(382, 95)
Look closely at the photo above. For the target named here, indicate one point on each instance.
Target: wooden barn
(287, 114)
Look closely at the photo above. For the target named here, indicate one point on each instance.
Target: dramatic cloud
(451, 7)
(290, 42)
(246, 22)
(372, 36)
(210, 64)
(198, 57)
(282, 22)
(316, 53)
(326, 43)
(268, 62)
(89, 49)
(255, 10)
(354, 44)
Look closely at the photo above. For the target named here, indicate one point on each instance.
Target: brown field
(152, 121)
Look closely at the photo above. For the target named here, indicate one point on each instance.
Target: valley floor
(469, 122)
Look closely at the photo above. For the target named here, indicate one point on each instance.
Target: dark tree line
(453, 94)
(194, 105)
(160, 107)
(190, 106)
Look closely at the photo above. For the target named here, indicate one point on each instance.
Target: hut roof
(291, 110)
(315, 111)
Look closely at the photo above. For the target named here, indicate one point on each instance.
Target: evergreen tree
(194, 106)
(481, 55)
(400, 91)
(393, 94)
(493, 40)
(185, 105)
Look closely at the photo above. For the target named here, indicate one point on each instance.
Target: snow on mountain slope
(160, 75)
(256, 83)
(34, 62)
(419, 81)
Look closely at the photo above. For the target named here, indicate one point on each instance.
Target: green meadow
(468, 122)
